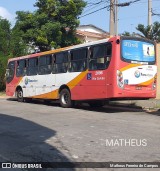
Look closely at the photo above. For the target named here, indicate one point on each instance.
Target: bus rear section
(136, 70)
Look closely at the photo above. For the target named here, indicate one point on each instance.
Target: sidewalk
(4, 97)
(144, 104)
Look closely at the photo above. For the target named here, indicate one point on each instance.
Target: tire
(20, 95)
(65, 98)
(96, 104)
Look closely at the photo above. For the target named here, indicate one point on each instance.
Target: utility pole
(149, 12)
(114, 14)
(116, 17)
(112, 18)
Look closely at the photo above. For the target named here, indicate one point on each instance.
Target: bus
(115, 68)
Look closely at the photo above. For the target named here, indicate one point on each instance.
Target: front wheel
(20, 95)
(65, 98)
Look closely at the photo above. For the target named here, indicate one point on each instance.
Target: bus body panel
(92, 86)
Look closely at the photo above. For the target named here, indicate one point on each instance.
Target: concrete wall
(86, 39)
(158, 73)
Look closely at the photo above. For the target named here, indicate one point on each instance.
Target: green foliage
(5, 33)
(150, 32)
(3, 64)
(11, 44)
(52, 25)
(126, 34)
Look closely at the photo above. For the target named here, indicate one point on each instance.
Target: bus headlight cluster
(120, 81)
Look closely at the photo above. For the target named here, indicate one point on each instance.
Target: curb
(4, 97)
(128, 105)
(139, 104)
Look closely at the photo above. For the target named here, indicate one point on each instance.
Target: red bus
(110, 69)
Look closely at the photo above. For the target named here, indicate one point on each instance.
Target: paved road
(32, 132)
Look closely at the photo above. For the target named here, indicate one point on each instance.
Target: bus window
(45, 63)
(21, 68)
(78, 61)
(32, 68)
(53, 64)
(10, 71)
(61, 62)
(109, 50)
(138, 51)
(100, 56)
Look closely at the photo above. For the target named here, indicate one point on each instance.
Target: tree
(126, 33)
(17, 46)
(150, 32)
(3, 64)
(11, 45)
(5, 32)
(4, 35)
(52, 25)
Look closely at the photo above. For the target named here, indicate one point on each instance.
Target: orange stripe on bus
(49, 95)
(147, 82)
(54, 94)
(129, 66)
(76, 80)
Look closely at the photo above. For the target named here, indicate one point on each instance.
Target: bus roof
(60, 49)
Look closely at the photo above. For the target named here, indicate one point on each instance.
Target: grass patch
(2, 93)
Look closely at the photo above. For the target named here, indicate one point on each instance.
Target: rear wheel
(65, 98)
(20, 95)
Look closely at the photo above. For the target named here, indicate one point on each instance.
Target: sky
(128, 17)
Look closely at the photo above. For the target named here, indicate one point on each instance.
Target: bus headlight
(120, 81)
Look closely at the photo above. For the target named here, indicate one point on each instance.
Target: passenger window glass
(78, 61)
(100, 56)
(61, 62)
(21, 68)
(10, 71)
(45, 65)
(33, 62)
(109, 49)
(32, 68)
(99, 51)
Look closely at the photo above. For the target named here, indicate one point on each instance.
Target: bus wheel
(65, 98)
(20, 95)
(96, 104)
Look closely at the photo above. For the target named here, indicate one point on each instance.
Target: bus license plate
(138, 88)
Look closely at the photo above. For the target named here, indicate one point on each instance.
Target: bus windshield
(136, 51)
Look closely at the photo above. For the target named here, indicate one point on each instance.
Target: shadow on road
(25, 141)
(111, 108)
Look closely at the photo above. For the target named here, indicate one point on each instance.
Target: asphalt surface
(35, 132)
